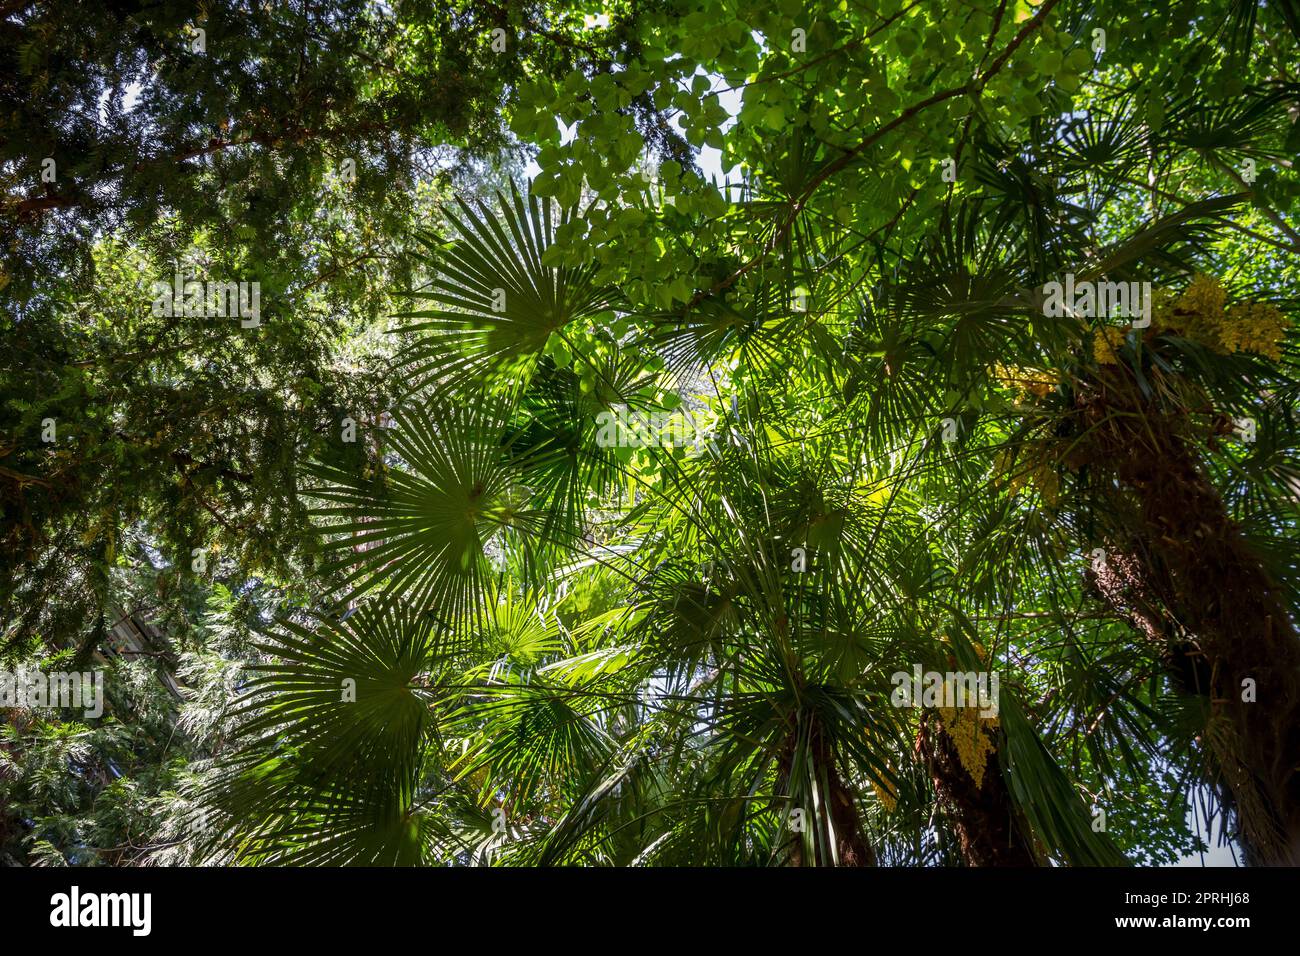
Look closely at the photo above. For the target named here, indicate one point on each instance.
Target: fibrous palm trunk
(1179, 568)
(981, 812)
(838, 818)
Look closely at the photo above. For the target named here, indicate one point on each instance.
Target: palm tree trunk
(840, 814)
(1179, 568)
(981, 813)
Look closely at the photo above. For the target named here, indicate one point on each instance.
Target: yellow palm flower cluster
(1033, 468)
(1204, 295)
(1202, 314)
(1106, 345)
(886, 794)
(1035, 382)
(965, 728)
(1257, 327)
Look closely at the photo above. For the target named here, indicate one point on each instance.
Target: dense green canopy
(642, 404)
